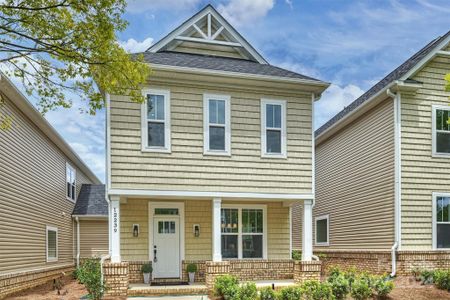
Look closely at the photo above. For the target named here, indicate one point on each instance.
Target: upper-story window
(441, 130)
(217, 133)
(273, 128)
(71, 176)
(156, 121)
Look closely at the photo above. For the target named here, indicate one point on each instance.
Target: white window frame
(206, 124)
(145, 120)
(239, 207)
(434, 131)
(72, 169)
(434, 220)
(319, 218)
(264, 129)
(47, 229)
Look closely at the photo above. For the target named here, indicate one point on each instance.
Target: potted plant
(191, 269)
(147, 271)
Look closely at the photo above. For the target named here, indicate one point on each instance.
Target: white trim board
(209, 195)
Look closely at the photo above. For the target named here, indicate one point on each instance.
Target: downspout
(78, 241)
(397, 161)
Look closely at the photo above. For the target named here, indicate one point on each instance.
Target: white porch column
(115, 229)
(307, 241)
(216, 231)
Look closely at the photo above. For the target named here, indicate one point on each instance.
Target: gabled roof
(403, 73)
(209, 27)
(225, 64)
(91, 201)
(12, 92)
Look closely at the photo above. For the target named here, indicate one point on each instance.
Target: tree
(447, 86)
(56, 47)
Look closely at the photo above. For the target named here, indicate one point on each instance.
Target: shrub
(191, 268)
(246, 291)
(89, 274)
(350, 275)
(416, 273)
(333, 273)
(339, 286)
(267, 294)
(383, 286)
(426, 277)
(290, 293)
(147, 268)
(442, 279)
(226, 286)
(315, 290)
(361, 289)
(296, 255)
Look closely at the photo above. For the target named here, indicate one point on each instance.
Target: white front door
(166, 246)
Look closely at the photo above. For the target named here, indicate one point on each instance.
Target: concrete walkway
(197, 297)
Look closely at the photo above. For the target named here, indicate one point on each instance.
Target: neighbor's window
(70, 182)
(441, 130)
(217, 124)
(442, 226)
(52, 243)
(322, 227)
(273, 128)
(242, 232)
(156, 121)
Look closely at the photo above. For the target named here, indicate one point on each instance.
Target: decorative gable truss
(209, 33)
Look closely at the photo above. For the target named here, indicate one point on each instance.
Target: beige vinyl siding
(422, 174)
(135, 211)
(208, 49)
(355, 182)
(187, 169)
(32, 195)
(93, 238)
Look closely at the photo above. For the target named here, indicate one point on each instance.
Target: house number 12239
(115, 219)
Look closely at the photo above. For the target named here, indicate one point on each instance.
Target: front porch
(247, 238)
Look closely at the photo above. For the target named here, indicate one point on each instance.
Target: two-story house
(206, 170)
(383, 185)
(40, 180)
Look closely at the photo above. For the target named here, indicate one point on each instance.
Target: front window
(217, 124)
(242, 232)
(442, 224)
(70, 182)
(322, 231)
(52, 243)
(156, 121)
(441, 130)
(273, 128)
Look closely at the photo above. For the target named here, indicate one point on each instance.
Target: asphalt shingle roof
(383, 83)
(91, 200)
(219, 64)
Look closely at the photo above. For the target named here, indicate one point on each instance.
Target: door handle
(155, 259)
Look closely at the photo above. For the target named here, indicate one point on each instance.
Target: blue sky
(351, 44)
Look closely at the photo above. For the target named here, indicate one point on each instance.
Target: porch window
(322, 231)
(242, 232)
(70, 182)
(156, 121)
(52, 243)
(442, 226)
(273, 128)
(216, 124)
(441, 130)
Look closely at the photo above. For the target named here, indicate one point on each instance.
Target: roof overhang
(396, 86)
(314, 86)
(19, 100)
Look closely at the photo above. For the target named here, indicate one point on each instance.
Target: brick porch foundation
(379, 262)
(134, 271)
(15, 282)
(116, 277)
(307, 270)
(214, 270)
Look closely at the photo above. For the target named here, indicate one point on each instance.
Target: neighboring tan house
(40, 178)
(207, 169)
(91, 217)
(382, 171)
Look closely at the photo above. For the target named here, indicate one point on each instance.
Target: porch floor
(197, 289)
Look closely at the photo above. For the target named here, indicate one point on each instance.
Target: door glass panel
(172, 227)
(160, 227)
(252, 246)
(166, 211)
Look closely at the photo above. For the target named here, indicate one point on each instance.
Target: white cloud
(138, 6)
(245, 12)
(333, 100)
(298, 68)
(133, 46)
